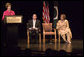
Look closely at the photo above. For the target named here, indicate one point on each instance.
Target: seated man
(34, 26)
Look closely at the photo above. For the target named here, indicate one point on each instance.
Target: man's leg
(36, 36)
(30, 35)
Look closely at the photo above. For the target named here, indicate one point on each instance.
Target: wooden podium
(12, 23)
(13, 19)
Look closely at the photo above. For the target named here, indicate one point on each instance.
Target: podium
(12, 29)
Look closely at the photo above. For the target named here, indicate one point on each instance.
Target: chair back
(47, 26)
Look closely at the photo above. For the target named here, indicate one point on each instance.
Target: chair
(47, 30)
(60, 35)
(28, 40)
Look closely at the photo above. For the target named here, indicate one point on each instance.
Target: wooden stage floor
(75, 45)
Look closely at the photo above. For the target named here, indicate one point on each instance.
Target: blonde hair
(7, 4)
(64, 15)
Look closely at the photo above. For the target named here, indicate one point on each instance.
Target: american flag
(46, 17)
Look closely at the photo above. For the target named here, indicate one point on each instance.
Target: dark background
(72, 9)
(74, 12)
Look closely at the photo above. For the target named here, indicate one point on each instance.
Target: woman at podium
(7, 29)
(8, 12)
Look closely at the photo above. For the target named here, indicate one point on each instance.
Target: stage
(49, 48)
(14, 36)
(76, 46)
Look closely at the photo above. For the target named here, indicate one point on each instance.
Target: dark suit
(34, 32)
(37, 25)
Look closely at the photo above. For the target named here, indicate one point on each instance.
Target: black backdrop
(73, 10)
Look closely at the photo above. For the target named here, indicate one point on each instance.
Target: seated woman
(63, 28)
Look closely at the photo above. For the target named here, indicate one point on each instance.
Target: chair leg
(59, 46)
(55, 38)
(43, 38)
(39, 37)
(28, 40)
(39, 41)
(59, 37)
(44, 47)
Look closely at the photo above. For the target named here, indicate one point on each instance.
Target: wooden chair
(28, 39)
(59, 36)
(39, 37)
(47, 30)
